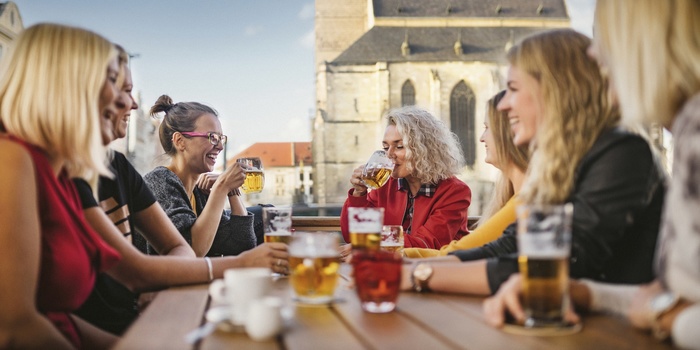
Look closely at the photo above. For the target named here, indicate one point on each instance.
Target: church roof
(432, 44)
(470, 8)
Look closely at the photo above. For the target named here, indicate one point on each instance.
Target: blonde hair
(576, 109)
(653, 50)
(432, 150)
(49, 94)
(508, 155)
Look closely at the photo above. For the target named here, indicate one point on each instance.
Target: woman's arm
(161, 233)
(21, 326)
(451, 277)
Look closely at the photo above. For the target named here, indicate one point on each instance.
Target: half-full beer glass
(277, 224)
(544, 244)
(314, 263)
(377, 170)
(254, 177)
(365, 226)
(392, 238)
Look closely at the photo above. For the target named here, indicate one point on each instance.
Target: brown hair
(179, 117)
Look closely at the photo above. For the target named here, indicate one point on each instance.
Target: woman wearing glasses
(191, 135)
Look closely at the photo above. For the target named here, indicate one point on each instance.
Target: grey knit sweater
(235, 233)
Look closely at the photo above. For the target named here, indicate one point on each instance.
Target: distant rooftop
(432, 44)
(471, 8)
(278, 154)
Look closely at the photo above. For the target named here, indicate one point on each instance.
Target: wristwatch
(659, 305)
(420, 276)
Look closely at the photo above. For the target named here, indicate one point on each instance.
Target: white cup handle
(216, 290)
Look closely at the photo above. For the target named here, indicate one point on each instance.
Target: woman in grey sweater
(191, 135)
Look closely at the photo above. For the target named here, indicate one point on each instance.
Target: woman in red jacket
(423, 194)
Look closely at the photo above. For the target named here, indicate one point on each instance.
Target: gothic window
(408, 94)
(462, 109)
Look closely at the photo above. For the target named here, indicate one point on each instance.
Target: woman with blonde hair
(57, 89)
(650, 50)
(557, 102)
(423, 194)
(512, 161)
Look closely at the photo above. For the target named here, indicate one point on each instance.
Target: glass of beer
(377, 279)
(377, 170)
(544, 244)
(392, 238)
(254, 177)
(314, 264)
(365, 226)
(277, 224)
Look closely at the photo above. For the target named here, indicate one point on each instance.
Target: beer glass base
(378, 308)
(313, 301)
(535, 323)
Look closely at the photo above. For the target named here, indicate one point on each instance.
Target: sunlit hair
(123, 58)
(575, 109)
(50, 91)
(179, 117)
(432, 150)
(652, 49)
(508, 155)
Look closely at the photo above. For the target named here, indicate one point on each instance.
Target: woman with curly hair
(423, 194)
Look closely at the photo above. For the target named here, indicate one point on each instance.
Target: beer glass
(377, 170)
(392, 238)
(277, 224)
(254, 177)
(313, 263)
(377, 279)
(544, 244)
(365, 226)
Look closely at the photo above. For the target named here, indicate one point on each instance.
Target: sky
(251, 60)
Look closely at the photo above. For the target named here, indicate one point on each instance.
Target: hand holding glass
(254, 177)
(544, 244)
(377, 170)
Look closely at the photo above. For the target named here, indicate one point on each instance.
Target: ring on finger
(279, 262)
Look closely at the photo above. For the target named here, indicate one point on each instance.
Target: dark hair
(179, 117)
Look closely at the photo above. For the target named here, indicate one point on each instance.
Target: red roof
(278, 154)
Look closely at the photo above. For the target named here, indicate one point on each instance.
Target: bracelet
(234, 192)
(210, 270)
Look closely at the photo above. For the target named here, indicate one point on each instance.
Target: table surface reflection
(421, 321)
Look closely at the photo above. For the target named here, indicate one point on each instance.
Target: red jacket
(437, 220)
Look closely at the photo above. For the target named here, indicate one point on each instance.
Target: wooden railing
(332, 223)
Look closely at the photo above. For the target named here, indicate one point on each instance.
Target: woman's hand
(639, 312)
(232, 178)
(356, 182)
(507, 299)
(272, 255)
(206, 181)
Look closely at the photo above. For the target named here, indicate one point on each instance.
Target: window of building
(462, 109)
(408, 94)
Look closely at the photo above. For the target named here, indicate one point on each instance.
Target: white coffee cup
(239, 288)
(264, 318)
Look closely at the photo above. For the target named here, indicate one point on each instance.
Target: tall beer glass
(314, 264)
(277, 224)
(365, 226)
(544, 244)
(377, 170)
(254, 177)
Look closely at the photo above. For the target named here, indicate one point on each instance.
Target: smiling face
(522, 103)
(200, 154)
(489, 146)
(393, 145)
(107, 105)
(124, 104)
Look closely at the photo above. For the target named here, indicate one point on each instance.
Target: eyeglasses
(214, 138)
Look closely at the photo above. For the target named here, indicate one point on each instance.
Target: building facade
(10, 25)
(446, 56)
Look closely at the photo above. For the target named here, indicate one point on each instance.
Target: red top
(71, 251)
(437, 220)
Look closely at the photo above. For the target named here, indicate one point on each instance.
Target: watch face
(423, 272)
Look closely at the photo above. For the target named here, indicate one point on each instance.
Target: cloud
(252, 30)
(307, 11)
(308, 40)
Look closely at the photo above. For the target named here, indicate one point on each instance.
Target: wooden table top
(421, 321)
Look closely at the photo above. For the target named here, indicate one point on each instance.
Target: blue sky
(251, 60)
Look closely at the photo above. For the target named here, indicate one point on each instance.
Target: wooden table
(421, 321)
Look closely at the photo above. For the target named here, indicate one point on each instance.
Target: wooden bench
(332, 223)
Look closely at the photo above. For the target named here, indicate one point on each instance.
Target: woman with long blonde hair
(57, 89)
(651, 51)
(499, 212)
(557, 103)
(423, 194)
